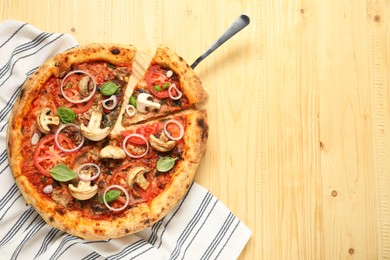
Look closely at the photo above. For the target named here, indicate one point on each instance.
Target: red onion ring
(94, 177)
(139, 136)
(114, 100)
(82, 100)
(179, 93)
(58, 143)
(133, 110)
(173, 121)
(123, 190)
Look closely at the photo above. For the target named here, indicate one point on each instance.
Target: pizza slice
(168, 85)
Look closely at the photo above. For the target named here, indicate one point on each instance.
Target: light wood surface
(299, 111)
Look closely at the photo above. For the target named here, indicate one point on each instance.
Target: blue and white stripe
(200, 227)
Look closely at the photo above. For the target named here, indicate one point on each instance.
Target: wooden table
(299, 111)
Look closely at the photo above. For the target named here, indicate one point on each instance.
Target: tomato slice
(99, 70)
(145, 130)
(119, 175)
(156, 186)
(161, 94)
(77, 108)
(70, 87)
(136, 140)
(47, 155)
(156, 76)
(173, 129)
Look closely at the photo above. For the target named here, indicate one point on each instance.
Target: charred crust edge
(202, 124)
(115, 51)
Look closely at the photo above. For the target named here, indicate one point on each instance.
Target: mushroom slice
(112, 152)
(162, 144)
(136, 174)
(84, 86)
(84, 190)
(93, 131)
(145, 102)
(44, 119)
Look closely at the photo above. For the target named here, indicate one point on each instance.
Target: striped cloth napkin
(200, 227)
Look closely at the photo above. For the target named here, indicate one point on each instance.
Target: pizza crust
(115, 54)
(196, 138)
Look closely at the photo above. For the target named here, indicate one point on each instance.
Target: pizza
(99, 157)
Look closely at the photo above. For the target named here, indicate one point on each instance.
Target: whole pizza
(100, 153)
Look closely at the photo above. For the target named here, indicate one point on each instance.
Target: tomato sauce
(41, 157)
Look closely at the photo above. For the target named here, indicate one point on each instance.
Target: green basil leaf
(165, 164)
(133, 101)
(112, 195)
(108, 89)
(157, 88)
(66, 115)
(166, 85)
(61, 172)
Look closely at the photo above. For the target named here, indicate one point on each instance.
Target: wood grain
(299, 144)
